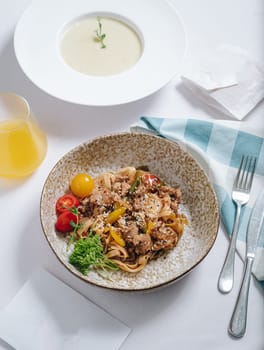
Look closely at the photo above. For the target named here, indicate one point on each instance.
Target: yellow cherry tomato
(82, 185)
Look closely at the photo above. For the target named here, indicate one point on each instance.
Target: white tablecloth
(190, 314)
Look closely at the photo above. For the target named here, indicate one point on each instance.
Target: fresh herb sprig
(99, 35)
(88, 252)
(75, 225)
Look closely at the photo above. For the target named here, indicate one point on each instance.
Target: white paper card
(47, 314)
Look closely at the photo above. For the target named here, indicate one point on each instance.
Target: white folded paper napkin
(46, 314)
(227, 79)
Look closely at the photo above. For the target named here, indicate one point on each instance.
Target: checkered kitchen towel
(218, 147)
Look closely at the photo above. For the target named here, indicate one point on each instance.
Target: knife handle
(237, 327)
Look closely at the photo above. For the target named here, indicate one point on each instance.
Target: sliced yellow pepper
(115, 215)
(117, 238)
(106, 229)
(150, 227)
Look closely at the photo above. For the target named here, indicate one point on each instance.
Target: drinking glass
(23, 145)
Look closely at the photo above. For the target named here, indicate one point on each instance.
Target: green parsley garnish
(74, 225)
(99, 35)
(88, 252)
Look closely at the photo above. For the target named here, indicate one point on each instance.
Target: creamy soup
(100, 46)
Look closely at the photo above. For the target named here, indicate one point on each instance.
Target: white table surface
(190, 314)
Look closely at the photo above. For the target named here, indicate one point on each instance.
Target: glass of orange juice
(23, 145)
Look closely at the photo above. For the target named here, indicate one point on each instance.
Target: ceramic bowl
(172, 164)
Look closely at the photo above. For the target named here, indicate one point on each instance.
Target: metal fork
(240, 196)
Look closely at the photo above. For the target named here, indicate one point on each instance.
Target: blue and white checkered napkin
(218, 147)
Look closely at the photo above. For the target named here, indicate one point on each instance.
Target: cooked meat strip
(130, 232)
(143, 243)
(164, 238)
(121, 186)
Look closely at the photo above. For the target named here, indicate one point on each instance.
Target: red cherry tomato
(151, 180)
(63, 223)
(66, 202)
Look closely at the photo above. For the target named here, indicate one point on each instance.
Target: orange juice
(23, 145)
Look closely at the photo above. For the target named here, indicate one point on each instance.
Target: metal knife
(237, 327)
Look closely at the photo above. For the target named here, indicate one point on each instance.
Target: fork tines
(245, 173)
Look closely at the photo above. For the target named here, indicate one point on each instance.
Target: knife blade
(238, 322)
(255, 225)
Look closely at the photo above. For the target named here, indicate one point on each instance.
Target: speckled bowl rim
(160, 285)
